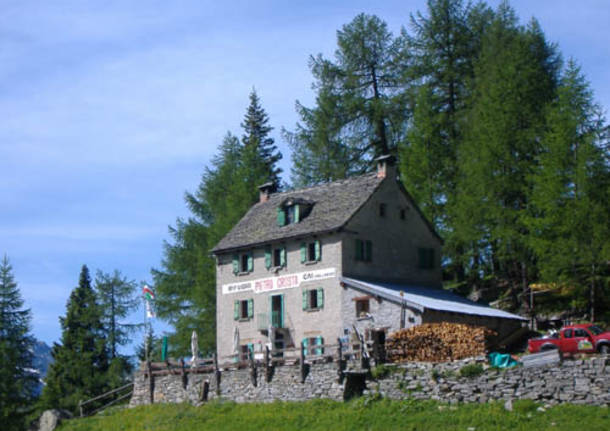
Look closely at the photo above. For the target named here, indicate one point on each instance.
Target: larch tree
(17, 382)
(116, 298)
(570, 211)
(358, 114)
(515, 77)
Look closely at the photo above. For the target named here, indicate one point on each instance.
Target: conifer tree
(570, 210)
(358, 114)
(17, 383)
(116, 299)
(256, 134)
(515, 77)
(186, 283)
(80, 361)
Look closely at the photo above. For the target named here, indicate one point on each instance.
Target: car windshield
(595, 329)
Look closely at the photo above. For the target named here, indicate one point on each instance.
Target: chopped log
(438, 342)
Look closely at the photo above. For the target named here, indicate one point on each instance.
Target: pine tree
(358, 113)
(116, 299)
(17, 383)
(570, 210)
(80, 362)
(186, 283)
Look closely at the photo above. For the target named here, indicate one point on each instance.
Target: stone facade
(577, 382)
(396, 237)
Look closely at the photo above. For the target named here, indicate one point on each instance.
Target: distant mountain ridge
(42, 361)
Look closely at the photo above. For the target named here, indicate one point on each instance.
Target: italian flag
(148, 293)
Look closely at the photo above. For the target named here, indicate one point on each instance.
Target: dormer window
(292, 211)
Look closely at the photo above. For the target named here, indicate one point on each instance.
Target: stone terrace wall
(578, 382)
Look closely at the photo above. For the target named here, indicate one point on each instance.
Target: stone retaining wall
(578, 382)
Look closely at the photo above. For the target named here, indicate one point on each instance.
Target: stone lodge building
(310, 264)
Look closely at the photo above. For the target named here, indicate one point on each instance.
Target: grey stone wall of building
(298, 323)
(577, 382)
(395, 241)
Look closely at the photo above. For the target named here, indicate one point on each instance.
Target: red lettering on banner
(263, 285)
(287, 281)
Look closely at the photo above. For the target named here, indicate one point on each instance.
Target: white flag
(150, 313)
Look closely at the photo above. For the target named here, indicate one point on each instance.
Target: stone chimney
(265, 190)
(386, 166)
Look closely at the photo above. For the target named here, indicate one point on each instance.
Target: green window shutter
(250, 307)
(320, 294)
(281, 311)
(358, 249)
(250, 350)
(250, 262)
(305, 343)
(281, 216)
(297, 213)
(303, 252)
(235, 310)
(369, 251)
(320, 342)
(318, 250)
(305, 302)
(235, 264)
(283, 256)
(268, 257)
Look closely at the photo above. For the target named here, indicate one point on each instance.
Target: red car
(583, 338)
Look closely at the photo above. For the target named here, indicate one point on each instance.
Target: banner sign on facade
(278, 282)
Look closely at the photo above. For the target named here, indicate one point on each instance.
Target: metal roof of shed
(422, 298)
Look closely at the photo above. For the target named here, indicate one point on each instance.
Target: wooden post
(217, 374)
(267, 365)
(252, 367)
(183, 373)
(340, 360)
(151, 387)
(302, 363)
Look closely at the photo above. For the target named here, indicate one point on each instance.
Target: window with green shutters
(275, 257)
(363, 250)
(243, 309)
(313, 299)
(309, 346)
(243, 263)
(426, 258)
(311, 252)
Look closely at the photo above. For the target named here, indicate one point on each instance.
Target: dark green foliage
(186, 284)
(256, 135)
(515, 77)
(471, 370)
(80, 361)
(571, 185)
(358, 114)
(117, 298)
(17, 383)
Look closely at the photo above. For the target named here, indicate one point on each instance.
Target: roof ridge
(330, 183)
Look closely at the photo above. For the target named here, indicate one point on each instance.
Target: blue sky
(110, 111)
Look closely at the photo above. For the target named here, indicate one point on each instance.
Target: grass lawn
(360, 414)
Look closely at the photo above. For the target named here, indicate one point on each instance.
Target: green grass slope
(361, 414)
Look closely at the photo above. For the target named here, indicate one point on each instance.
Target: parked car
(582, 338)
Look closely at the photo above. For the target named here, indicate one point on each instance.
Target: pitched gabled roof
(333, 205)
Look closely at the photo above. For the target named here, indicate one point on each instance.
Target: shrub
(471, 370)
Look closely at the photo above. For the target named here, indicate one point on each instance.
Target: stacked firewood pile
(438, 342)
